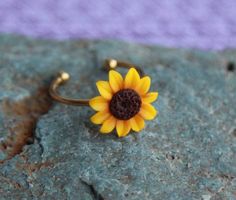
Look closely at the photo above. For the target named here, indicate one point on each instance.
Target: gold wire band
(63, 77)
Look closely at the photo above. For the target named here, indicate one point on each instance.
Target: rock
(52, 151)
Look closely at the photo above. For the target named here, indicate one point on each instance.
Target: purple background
(208, 24)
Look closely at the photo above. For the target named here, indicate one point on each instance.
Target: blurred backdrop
(207, 24)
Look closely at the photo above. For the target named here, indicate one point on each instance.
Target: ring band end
(113, 63)
(64, 76)
(110, 64)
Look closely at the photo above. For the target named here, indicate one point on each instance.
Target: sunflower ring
(123, 104)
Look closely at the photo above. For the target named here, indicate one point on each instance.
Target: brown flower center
(125, 104)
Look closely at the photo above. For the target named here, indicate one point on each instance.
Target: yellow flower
(123, 104)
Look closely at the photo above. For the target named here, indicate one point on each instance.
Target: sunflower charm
(124, 104)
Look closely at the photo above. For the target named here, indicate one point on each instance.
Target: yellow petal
(104, 89)
(132, 78)
(123, 127)
(108, 125)
(147, 111)
(98, 103)
(144, 85)
(137, 123)
(100, 117)
(115, 80)
(150, 97)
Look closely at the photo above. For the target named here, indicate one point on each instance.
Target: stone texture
(52, 151)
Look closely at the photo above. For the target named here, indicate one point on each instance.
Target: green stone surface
(188, 152)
